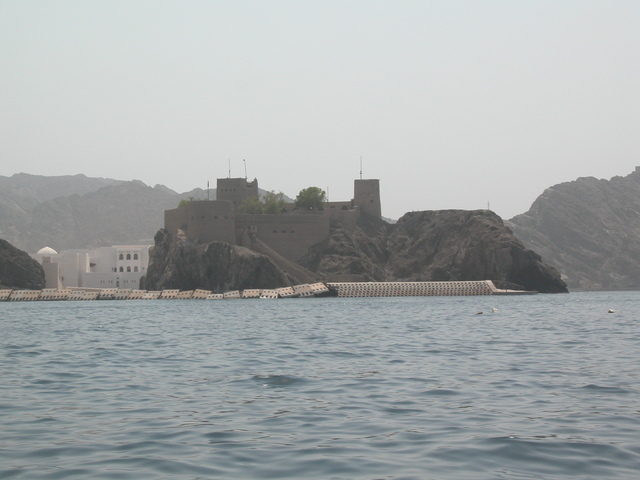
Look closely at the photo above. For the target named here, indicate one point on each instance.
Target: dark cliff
(589, 229)
(18, 269)
(176, 262)
(435, 246)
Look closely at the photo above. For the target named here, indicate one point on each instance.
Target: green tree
(184, 203)
(273, 202)
(311, 198)
(251, 205)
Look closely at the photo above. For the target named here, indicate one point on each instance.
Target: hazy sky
(451, 104)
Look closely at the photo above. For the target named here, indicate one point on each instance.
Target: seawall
(339, 289)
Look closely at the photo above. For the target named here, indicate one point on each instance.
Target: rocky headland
(18, 270)
(435, 245)
(175, 262)
(589, 229)
(421, 246)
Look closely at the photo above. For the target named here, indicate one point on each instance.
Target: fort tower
(366, 195)
(236, 190)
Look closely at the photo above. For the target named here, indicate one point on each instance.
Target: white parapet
(286, 292)
(169, 294)
(78, 295)
(232, 294)
(200, 294)
(122, 294)
(251, 293)
(186, 295)
(269, 294)
(24, 295)
(303, 290)
(47, 294)
(54, 294)
(62, 294)
(108, 294)
(75, 295)
(319, 288)
(5, 294)
(136, 294)
(215, 296)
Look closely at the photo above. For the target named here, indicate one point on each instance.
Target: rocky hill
(18, 269)
(126, 213)
(421, 246)
(176, 262)
(435, 245)
(589, 229)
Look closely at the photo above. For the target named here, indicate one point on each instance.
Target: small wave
(602, 389)
(277, 380)
(441, 391)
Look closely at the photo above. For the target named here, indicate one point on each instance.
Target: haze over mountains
(588, 229)
(76, 211)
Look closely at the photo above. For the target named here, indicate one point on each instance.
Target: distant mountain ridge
(76, 211)
(28, 190)
(589, 230)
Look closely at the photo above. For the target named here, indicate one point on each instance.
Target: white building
(119, 266)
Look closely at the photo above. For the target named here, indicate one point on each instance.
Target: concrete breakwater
(419, 289)
(80, 293)
(339, 289)
(412, 289)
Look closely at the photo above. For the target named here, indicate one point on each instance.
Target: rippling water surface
(392, 388)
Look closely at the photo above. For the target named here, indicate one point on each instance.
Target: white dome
(47, 251)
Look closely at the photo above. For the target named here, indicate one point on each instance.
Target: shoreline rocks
(18, 269)
(176, 262)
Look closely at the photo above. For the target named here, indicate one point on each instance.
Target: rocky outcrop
(436, 246)
(358, 254)
(466, 245)
(18, 269)
(176, 262)
(589, 230)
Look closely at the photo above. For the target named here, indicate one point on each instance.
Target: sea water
(546, 387)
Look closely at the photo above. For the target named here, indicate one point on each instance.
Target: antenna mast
(360, 167)
(229, 169)
(207, 190)
(245, 168)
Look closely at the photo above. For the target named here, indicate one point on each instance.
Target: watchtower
(367, 196)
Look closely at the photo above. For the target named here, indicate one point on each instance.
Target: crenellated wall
(290, 233)
(347, 218)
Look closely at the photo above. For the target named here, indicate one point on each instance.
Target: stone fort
(289, 233)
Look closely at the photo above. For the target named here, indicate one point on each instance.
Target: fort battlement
(290, 233)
